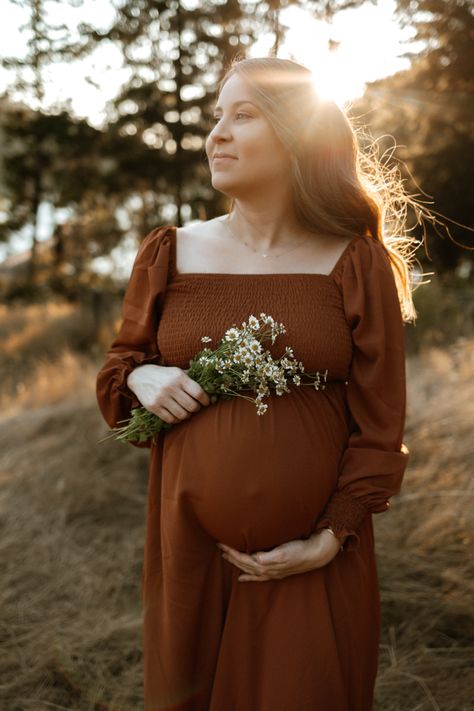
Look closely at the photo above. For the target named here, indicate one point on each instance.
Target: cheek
(262, 146)
(278, 151)
(266, 158)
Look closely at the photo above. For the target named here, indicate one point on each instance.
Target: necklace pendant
(264, 255)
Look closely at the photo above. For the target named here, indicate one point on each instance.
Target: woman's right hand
(167, 391)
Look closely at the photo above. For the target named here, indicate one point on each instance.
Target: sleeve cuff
(344, 514)
(123, 390)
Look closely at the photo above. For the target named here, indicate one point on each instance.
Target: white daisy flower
(254, 346)
(266, 319)
(253, 323)
(231, 334)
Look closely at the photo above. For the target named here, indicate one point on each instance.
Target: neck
(265, 229)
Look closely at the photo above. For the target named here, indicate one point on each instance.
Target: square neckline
(184, 275)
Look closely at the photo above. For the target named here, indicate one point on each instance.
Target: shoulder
(151, 246)
(149, 275)
(200, 228)
(365, 254)
(367, 274)
(155, 246)
(368, 279)
(367, 245)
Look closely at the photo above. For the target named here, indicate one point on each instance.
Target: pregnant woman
(260, 587)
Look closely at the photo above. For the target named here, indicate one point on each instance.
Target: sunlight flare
(360, 45)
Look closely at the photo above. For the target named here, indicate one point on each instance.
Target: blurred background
(104, 109)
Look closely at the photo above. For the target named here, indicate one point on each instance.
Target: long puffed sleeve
(373, 464)
(136, 342)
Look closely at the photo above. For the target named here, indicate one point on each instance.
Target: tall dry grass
(49, 352)
(424, 544)
(72, 528)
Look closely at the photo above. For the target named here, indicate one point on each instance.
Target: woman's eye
(239, 113)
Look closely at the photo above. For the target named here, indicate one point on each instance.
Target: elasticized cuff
(344, 514)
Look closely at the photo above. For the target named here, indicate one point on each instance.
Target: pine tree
(428, 109)
(46, 43)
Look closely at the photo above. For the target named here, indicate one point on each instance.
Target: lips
(223, 155)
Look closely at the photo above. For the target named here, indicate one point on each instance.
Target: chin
(224, 186)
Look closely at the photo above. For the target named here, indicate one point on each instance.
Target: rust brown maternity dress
(306, 642)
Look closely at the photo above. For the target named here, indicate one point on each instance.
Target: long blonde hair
(338, 187)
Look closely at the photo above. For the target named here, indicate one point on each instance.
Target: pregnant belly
(254, 482)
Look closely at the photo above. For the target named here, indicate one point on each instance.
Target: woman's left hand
(290, 558)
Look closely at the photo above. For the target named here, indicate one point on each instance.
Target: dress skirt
(214, 643)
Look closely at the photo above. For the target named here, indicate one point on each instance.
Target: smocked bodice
(207, 304)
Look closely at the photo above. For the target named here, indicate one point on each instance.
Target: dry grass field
(72, 527)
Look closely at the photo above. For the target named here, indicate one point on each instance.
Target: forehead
(234, 92)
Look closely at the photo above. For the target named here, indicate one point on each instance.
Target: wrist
(324, 546)
(339, 539)
(129, 380)
(132, 376)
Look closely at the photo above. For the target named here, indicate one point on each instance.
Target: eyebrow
(236, 103)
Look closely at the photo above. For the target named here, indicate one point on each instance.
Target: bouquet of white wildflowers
(238, 363)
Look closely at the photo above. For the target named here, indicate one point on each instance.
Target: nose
(217, 140)
(219, 132)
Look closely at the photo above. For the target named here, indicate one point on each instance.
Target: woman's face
(260, 162)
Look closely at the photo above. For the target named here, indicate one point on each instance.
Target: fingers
(172, 413)
(167, 391)
(186, 402)
(255, 571)
(297, 556)
(192, 388)
(181, 405)
(245, 564)
(250, 564)
(179, 398)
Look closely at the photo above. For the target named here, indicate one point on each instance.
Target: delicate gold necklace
(262, 254)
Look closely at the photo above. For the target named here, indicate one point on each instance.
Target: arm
(135, 343)
(373, 464)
